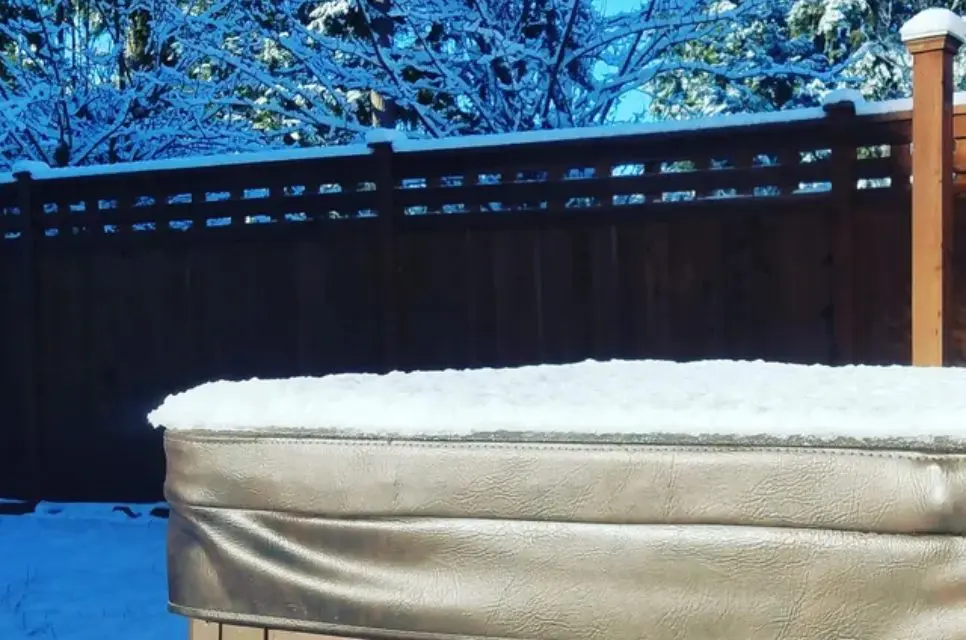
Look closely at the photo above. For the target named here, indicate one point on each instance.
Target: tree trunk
(383, 109)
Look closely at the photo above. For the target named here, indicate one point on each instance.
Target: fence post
(840, 108)
(380, 141)
(932, 37)
(28, 316)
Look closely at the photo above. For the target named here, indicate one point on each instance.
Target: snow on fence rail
(792, 153)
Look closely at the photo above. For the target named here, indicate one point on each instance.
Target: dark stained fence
(741, 241)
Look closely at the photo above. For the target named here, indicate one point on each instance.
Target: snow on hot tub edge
(736, 399)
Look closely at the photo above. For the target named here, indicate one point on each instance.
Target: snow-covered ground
(84, 572)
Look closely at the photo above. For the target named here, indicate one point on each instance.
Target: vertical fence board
(349, 336)
(744, 289)
(13, 454)
(561, 295)
(312, 320)
(958, 338)
(884, 275)
(806, 292)
(696, 297)
(481, 306)
(515, 264)
(605, 292)
(644, 284)
(432, 278)
(63, 387)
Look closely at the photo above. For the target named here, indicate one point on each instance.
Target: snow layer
(33, 167)
(40, 171)
(384, 136)
(738, 399)
(726, 121)
(932, 23)
(839, 96)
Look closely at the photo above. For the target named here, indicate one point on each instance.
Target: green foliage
(846, 43)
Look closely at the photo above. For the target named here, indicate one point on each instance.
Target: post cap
(840, 98)
(380, 136)
(934, 23)
(31, 168)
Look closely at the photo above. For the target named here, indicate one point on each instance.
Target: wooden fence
(785, 237)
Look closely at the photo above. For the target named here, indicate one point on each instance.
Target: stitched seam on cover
(367, 518)
(560, 446)
(180, 502)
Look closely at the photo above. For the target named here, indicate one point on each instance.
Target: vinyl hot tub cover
(608, 500)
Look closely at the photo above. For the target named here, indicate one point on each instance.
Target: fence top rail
(40, 172)
(899, 109)
(871, 111)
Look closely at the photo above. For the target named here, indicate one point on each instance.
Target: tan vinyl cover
(563, 541)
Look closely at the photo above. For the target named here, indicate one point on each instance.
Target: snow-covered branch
(92, 81)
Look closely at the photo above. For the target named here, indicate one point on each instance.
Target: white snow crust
(838, 96)
(934, 22)
(402, 144)
(39, 170)
(741, 399)
(384, 136)
(34, 167)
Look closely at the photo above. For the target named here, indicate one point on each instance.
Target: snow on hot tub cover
(718, 400)
(745, 500)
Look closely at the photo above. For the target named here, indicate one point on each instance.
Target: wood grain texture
(234, 632)
(298, 635)
(204, 630)
(933, 161)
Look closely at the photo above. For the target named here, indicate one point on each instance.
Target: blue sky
(614, 6)
(633, 103)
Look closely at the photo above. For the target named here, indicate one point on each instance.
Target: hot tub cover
(657, 530)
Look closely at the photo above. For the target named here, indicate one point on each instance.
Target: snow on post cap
(933, 23)
(31, 167)
(383, 136)
(839, 97)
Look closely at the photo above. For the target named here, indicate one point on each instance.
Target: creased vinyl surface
(555, 541)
